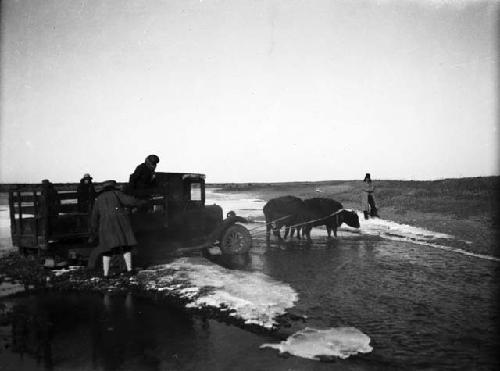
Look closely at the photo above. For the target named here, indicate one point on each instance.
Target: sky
(249, 90)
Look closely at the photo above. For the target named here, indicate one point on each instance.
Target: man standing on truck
(143, 180)
(110, 224)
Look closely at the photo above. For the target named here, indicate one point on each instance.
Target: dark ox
(330, 213)
(287, 211)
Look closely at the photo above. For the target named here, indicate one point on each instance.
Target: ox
(288, 211)
(329, 213)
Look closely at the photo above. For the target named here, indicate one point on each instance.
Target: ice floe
(319, 344)
(251, 296)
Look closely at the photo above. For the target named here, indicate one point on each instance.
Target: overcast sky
(249, 90)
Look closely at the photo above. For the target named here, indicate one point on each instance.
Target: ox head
(349, 217)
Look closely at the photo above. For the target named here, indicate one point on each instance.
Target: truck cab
(177, 207)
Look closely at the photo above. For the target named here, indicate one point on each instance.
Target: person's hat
(367, 177)
(153, 158)
(87, 176)
(109, 184)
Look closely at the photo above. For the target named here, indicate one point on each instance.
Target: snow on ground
(316, 344)
(251, 296)
(449, 248)
(388, 228)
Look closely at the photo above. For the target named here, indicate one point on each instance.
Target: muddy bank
(165, 284)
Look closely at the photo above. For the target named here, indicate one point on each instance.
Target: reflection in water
(32, 334)
(414, 303)
(103, 332)
(118, 332)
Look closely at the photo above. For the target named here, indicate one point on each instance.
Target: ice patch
(317, 344)
(453, 249)
(388, 228)
(252, 296)
(391, 230)
(10, 288)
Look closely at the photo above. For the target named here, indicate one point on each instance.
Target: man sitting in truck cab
(143, 181)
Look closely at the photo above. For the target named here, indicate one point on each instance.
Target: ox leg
(329, 231)
(287, 230)
(276, 232)
(306, 232)
(335, 231)
(268, 231)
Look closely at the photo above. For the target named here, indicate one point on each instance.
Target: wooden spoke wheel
(236, 240)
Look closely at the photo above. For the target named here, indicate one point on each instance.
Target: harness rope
(336, 214)
(274, 221)
(317, 220)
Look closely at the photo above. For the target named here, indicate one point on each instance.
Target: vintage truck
(46, 219)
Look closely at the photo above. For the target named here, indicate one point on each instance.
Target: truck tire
(236, 240)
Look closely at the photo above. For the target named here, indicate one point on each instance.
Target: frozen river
(420, 303)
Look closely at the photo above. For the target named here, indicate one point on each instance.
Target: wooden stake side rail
(60, 187)
(42, 213)
(35, 221)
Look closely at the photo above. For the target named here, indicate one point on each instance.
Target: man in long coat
(110, 222)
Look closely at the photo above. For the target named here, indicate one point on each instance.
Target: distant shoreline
(5, 187)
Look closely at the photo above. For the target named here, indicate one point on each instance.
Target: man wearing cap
(367, 200)
(85, 193)
(143, 180)
(110, 223)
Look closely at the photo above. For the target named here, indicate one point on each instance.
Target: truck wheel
(236, 240)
